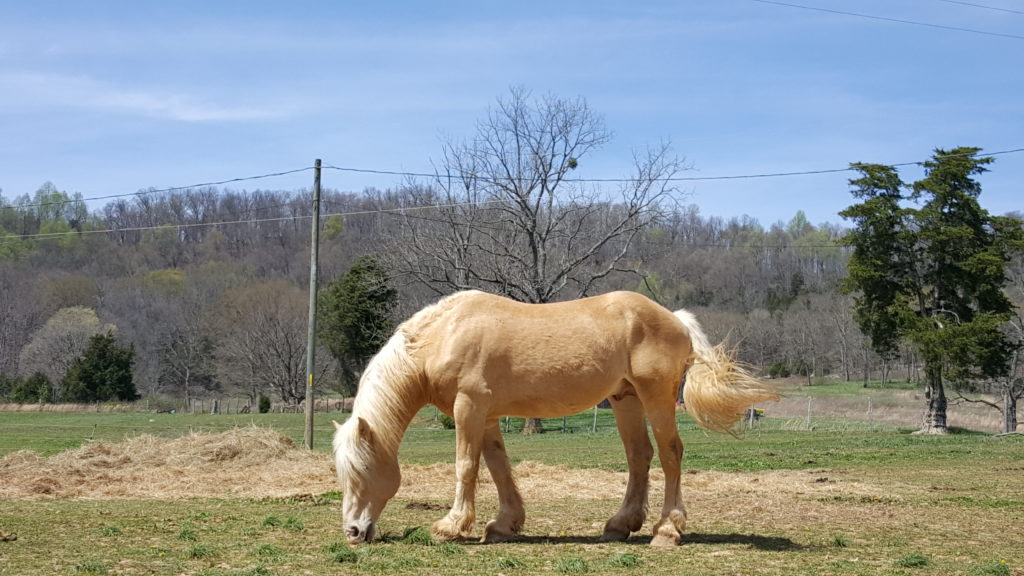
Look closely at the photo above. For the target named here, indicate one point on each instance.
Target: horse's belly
(549, 402)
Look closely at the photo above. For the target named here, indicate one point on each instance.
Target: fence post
(593, 428)
(808, 422)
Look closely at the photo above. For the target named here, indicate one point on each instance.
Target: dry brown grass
(891, 408)
(260, 462)
(66, 408)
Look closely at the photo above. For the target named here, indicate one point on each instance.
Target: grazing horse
(478, 357)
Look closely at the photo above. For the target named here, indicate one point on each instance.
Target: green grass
(235, 537)
(53, 542)
(972, 478)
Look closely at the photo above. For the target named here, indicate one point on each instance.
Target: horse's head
(369, 476)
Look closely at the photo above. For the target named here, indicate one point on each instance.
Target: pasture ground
(144, 496)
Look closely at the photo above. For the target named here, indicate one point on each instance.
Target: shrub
(446, 421)
(32, 390)
(264, 404)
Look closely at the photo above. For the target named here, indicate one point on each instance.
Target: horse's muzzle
(358, 535)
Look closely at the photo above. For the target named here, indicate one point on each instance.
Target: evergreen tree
(928, 266)
(356, 317)
(102, 373)
(32, 390)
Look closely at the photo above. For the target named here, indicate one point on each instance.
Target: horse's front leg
(469, 432)
(511, 514)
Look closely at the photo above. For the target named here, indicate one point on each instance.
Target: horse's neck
(390, 415)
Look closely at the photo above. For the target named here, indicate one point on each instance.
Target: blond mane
(387, 387)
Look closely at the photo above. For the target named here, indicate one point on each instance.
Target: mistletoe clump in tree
(928, 267)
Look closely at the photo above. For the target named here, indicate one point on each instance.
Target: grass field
(846, 498)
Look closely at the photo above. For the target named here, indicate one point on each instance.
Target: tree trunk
(1009, 411)
(935, 417)
(533, 426)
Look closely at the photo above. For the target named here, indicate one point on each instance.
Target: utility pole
(314, 253)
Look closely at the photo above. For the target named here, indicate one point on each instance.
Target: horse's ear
(336, 425)
(364, 430)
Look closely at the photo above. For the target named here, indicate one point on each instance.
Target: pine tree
(928, 267)
(102, 373)
(356, 316)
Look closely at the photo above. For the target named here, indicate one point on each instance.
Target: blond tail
(718, 390)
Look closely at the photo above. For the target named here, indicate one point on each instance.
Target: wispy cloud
(32, 90)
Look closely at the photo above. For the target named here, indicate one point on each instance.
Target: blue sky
(107, 97)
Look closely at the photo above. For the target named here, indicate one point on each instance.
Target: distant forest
(208, 286)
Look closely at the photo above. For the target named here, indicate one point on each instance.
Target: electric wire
(438, 175)
(852, 167)
(163, 190)
(896, 20)
(983, 6)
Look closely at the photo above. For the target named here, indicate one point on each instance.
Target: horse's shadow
(766, 543)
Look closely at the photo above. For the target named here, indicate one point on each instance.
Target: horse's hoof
(444, 531)
(495, 535)
(614, 535)
(663, 540)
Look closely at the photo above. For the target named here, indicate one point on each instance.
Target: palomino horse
(478, 357)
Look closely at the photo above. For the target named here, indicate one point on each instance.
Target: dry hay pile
(247, 462)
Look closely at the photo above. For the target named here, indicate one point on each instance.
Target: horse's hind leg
(629, 417)
(511, 514)
(669, 528)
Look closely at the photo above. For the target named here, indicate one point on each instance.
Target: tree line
(206, 287)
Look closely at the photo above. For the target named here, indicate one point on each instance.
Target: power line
(887, 19)
(683, 178)
(983, 6)
(162, 190)
(13, 238)
(457, 175)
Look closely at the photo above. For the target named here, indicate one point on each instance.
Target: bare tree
(186, 363)
(511, 220)
(262, 339)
